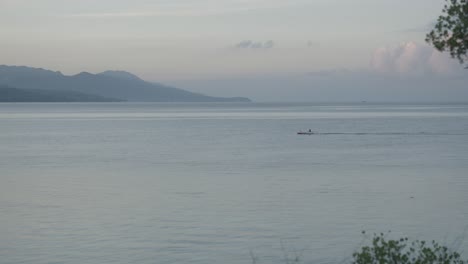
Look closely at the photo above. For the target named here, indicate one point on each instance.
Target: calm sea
(225, 183)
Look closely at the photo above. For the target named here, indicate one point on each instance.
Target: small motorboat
(309, 132)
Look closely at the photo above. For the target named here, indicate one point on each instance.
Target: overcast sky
(265, 49)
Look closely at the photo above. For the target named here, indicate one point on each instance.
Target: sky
(268, 50)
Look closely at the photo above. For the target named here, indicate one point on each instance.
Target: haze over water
(209, 183)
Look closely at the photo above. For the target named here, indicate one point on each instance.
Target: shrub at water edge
(403, 251)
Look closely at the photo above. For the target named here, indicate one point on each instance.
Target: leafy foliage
(402, 251)
(451, 30)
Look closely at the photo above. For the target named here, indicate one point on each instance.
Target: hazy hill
(9, 94)
(123, 75)
(113, 84)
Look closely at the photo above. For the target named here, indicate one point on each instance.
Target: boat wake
(383, 133)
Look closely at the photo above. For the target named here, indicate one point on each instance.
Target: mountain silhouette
(118, 85)
(10, 94)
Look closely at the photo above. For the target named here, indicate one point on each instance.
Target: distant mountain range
(8, 94)
(28, 84)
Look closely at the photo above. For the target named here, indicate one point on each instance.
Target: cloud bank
(409, 72)
(411, 58)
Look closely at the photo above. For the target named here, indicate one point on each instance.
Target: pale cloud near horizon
(408, 72)
(412, 58)
(255, 45)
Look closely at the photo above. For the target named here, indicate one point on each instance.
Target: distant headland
(27, 84)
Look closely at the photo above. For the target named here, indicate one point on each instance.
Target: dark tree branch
(450, 33)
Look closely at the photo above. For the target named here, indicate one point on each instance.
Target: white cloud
(411, 58)
(249, 44)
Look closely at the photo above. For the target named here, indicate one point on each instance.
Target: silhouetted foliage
(451, 30)
(402, 251)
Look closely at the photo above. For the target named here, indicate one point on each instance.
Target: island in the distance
(26, 84)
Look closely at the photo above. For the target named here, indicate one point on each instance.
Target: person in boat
(310, 130)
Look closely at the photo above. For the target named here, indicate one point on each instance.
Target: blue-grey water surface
(219, 183)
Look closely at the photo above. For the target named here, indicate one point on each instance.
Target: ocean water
(225, 183)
